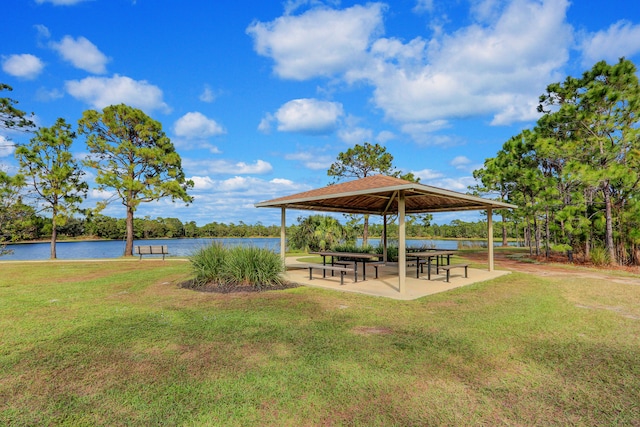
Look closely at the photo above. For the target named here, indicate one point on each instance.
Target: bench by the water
(152, 250)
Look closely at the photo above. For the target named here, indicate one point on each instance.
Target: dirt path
(546, 269)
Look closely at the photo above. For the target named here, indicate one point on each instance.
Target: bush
(227, 268)
(599, 256)
(392, 252)
(353, 249)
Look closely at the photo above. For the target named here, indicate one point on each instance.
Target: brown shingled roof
(378, 195)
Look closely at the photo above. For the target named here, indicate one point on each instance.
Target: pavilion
(384, 196)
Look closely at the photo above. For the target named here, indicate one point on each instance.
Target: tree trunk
(365, 231)
(606, 190)
(536, 231)
(54, 236)
(128, 249)
(504, 232)
(547, 234)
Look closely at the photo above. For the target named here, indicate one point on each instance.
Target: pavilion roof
(378, 195)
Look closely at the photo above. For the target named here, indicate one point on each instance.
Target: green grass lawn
(120, 343)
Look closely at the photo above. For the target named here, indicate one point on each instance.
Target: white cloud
(310, 116)
(6, 147)
(355, 135)
(460, 162)
(423, 6)
(82, 54)
(207, 94)
(620, 39)
(60, 2)
(311, 159)
(320, 42)
(46, 95)
(427, 174)
(265, 123)
(95, 195)
(100, 92)
(195, 125)
(481, 69)
(497, 65)
(460, 184)
(422, 132)
(385, 136)
(24, 65)
(43, 31)
(291, 6)
(201, 183)
(226, 167)
(233, 199)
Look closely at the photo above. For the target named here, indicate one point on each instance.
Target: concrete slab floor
(386, 285)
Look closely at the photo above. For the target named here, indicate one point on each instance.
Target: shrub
(599, 256)
(226, 268)
(353, 248)
(392, 252)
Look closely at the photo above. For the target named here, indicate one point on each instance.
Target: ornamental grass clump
(225, 269)
(599, 256)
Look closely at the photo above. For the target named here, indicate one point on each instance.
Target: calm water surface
(115, 248)
(177, 247)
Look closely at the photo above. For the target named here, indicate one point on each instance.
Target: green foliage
(134, 157)
(574, 176)
(599, 256)
(361, 161)
(318, 232)
(353, 248)
(392, 252)
(226, 268)
(54, 174)
(10, 201)
(10, 116)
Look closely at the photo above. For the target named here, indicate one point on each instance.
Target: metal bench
(376, 265)
(152, 250)
(342, 270)
(449, 267)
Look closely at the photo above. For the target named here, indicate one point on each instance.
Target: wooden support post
(490, 237)
(283, 235)
(402, 245)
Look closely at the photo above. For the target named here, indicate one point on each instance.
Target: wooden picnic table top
(347, 254)
(430, 253)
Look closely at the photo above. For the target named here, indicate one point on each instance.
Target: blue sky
(259, 97)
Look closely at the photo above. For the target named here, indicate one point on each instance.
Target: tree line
(575, 175)
(31, 227)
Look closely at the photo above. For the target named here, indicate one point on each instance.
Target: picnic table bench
(152, 250)
(450, 266)
(342, 269)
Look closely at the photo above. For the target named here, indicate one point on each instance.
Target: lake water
(177, 247)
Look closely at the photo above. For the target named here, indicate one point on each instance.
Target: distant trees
(134, 157)
(54, 175)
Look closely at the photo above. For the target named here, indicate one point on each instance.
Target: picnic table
(428, 256)
(337, 257)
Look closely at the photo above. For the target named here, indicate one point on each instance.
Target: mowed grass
(120, 343)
